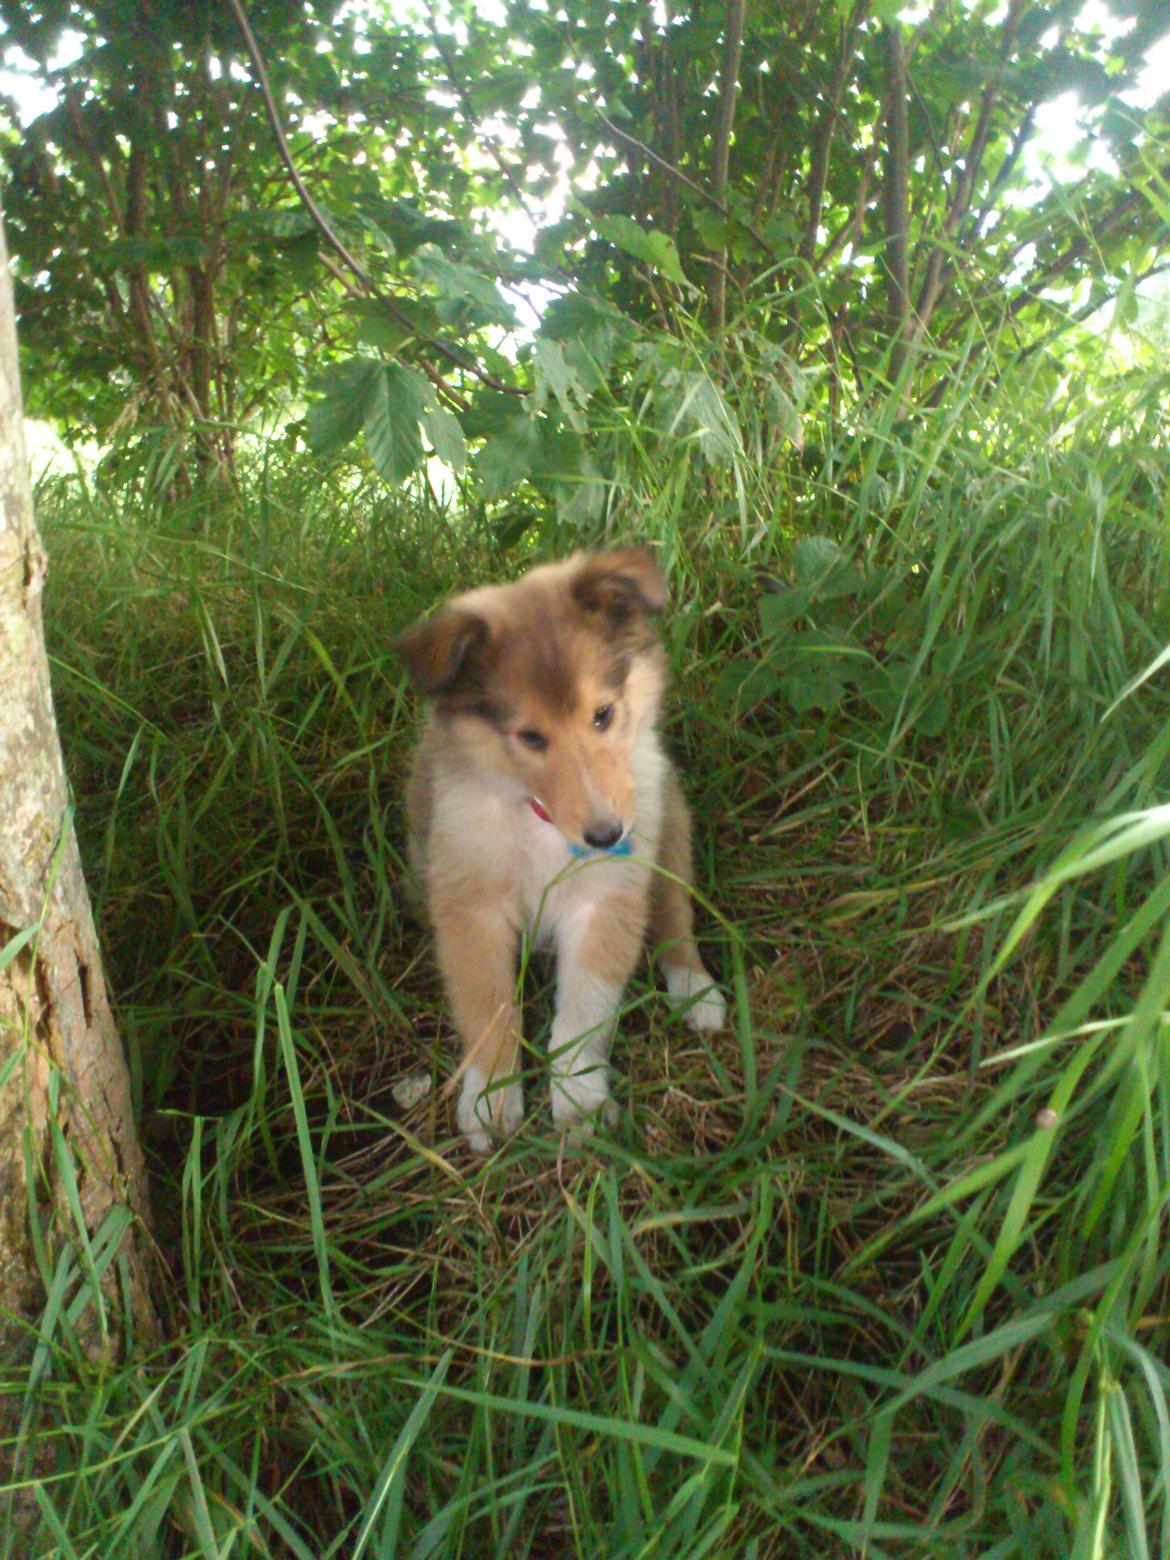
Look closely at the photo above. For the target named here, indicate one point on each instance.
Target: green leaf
(157, 253)
(284, 223)
(646, 244)
(780, 609)
(743, 683)
(816, 666)
(337, 418)
(554, 373)
(16, 943)
(934, 717)
(715, 229)
(492, 411)
(785, 415)
(408, 228)
(376, 328)
(592, 333)
(823, 569)
(560, 454)
(397, 401)
(446, 436)
(816, 685)
(508, 457)
(393, 1475)
(702, 410)
(579, 486)
(466, 297)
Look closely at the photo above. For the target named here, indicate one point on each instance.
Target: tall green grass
(882, 1270)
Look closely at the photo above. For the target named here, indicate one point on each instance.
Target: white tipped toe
(706, 1008)
(486, 1112)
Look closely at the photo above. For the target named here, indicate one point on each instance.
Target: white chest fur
(491, 838)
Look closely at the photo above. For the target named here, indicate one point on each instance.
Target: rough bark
(63, 1077)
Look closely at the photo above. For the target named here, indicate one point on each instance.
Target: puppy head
(551, 681)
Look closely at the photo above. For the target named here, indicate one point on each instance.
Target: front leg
(477, 955)
(597, 952)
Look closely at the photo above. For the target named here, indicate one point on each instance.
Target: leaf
(742, 683)
(157, 253)
(559, 455)
(823, 569)
(395, 406)
(816, 666)
(408, 228)
(15, 944)
(446, 436)
(715, 229)
(815, 555)
(934, 717)
(491, 412)
(814, 686)
(703, 410)
(592, 332)
(884, 686)
(579, 486)
(466, 297)
(647, 244)
(785, 415)
(780, 609)
(581, 503)
(376, 328)
(508, 457)
(337, 418)
(283, 223)
(393, 1475)
(554, 373)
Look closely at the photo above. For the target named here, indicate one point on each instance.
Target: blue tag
(622, 848)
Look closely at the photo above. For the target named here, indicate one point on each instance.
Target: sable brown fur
(543, 742)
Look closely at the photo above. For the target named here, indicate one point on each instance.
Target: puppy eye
(603, 716)
(536, 740)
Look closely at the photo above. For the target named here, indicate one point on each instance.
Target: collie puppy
(541, 804)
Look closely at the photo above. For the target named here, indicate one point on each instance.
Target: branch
(1021, 138)
(331, 238)
(96, 158)
(897, 197)
(818, 171)
(1104, 226)
(939, 272)
(677, 173)
(721, 151)
(851, 229)
(1156, 268)
(464, 97)
(1066, 323)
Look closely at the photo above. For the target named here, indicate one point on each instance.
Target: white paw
(706, 1008)
(484, 1113)
(580, 1100)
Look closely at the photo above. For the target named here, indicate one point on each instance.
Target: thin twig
(335, 243)
(669, 167)
(464, 96)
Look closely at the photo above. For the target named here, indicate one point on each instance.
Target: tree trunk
(67, 1140)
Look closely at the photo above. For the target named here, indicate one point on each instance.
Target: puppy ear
(444, 652)
(620, 584)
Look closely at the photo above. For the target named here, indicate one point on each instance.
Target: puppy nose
(603, 833)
